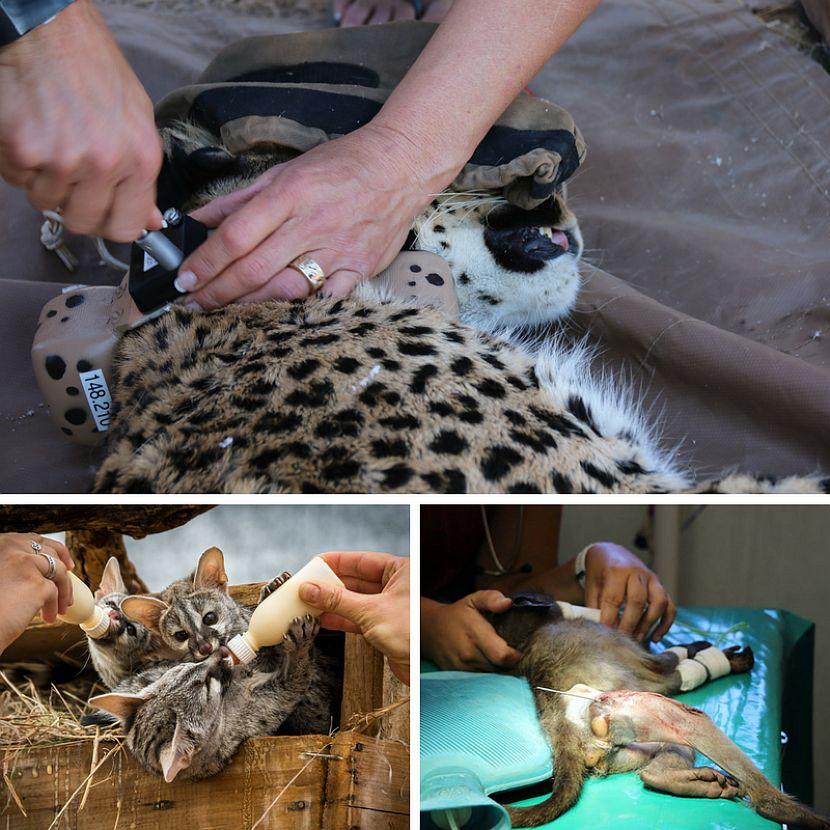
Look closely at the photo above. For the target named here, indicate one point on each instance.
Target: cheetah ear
(143, 609)
(111, 580)
(123, 706)
(210, 572)
(177, 755)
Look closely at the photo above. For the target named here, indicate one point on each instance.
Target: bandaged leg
(621, 718)
(701, 662)
(706, 665)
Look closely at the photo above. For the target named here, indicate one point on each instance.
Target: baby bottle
(84, 612)
(274, 614)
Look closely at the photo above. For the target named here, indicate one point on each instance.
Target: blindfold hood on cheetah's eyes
(298, 90)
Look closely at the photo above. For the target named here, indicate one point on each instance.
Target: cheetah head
(512, 267)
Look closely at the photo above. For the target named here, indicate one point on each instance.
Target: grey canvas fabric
(705, 202)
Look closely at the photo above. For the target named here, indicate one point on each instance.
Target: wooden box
(344, 781)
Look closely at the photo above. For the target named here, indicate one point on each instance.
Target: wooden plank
(354, 818)
(362, 680)
(395, 725)
(349, 781)
(369, 788)
(44, 779)
(134, 520)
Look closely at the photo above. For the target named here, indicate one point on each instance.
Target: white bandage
(579, 565)
(681, 651)
(692, 675)
(714, 660)
(709, 664)
(575, 612)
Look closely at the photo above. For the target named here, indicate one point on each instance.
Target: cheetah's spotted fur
(370, 395)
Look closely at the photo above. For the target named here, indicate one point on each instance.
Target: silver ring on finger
(53, 565)
(311, 270)
(36, 546)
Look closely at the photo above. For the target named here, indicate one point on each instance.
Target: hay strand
(13, 792)
(29, 720)
(32, 719)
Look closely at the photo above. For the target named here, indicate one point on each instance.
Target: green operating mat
(752, 709)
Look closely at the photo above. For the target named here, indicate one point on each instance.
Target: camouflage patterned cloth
(299, 90)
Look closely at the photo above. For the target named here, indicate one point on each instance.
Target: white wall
(774, 556)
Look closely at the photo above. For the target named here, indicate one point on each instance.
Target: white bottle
(273, 616)
(84, 612)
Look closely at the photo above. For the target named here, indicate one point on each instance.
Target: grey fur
(560, 654)
(128, 646)
(191, 718)
(192, 703)
(193, 616)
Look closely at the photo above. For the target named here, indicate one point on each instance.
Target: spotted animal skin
(373, 395)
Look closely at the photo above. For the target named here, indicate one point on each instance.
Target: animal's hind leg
(672, 771)
(637, 756)
(626, 717)
(701, 662)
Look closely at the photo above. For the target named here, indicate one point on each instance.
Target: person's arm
(77, 128)
(24, 586)
(374, 603)
(349, 203)
(613, 575)
(457, 636)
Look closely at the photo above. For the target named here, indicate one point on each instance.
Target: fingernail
(309, 593)
(185, 282)
(192, 305)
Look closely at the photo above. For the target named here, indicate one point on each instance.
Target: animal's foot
(741, 658)
(697, 782)
(272, 586)
(301, 633)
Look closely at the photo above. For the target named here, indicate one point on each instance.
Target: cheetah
(372, 394)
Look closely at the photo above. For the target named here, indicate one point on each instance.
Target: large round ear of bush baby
(300, 90)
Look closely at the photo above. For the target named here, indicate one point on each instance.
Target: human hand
(374, 603)
(614, 576)
(348, 204)
(77, 128)
(458, 636)
(24, 585)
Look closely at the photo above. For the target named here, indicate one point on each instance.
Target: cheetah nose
(205, 648)
(114, 615)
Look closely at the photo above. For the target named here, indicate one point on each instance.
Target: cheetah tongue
(559, 238)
